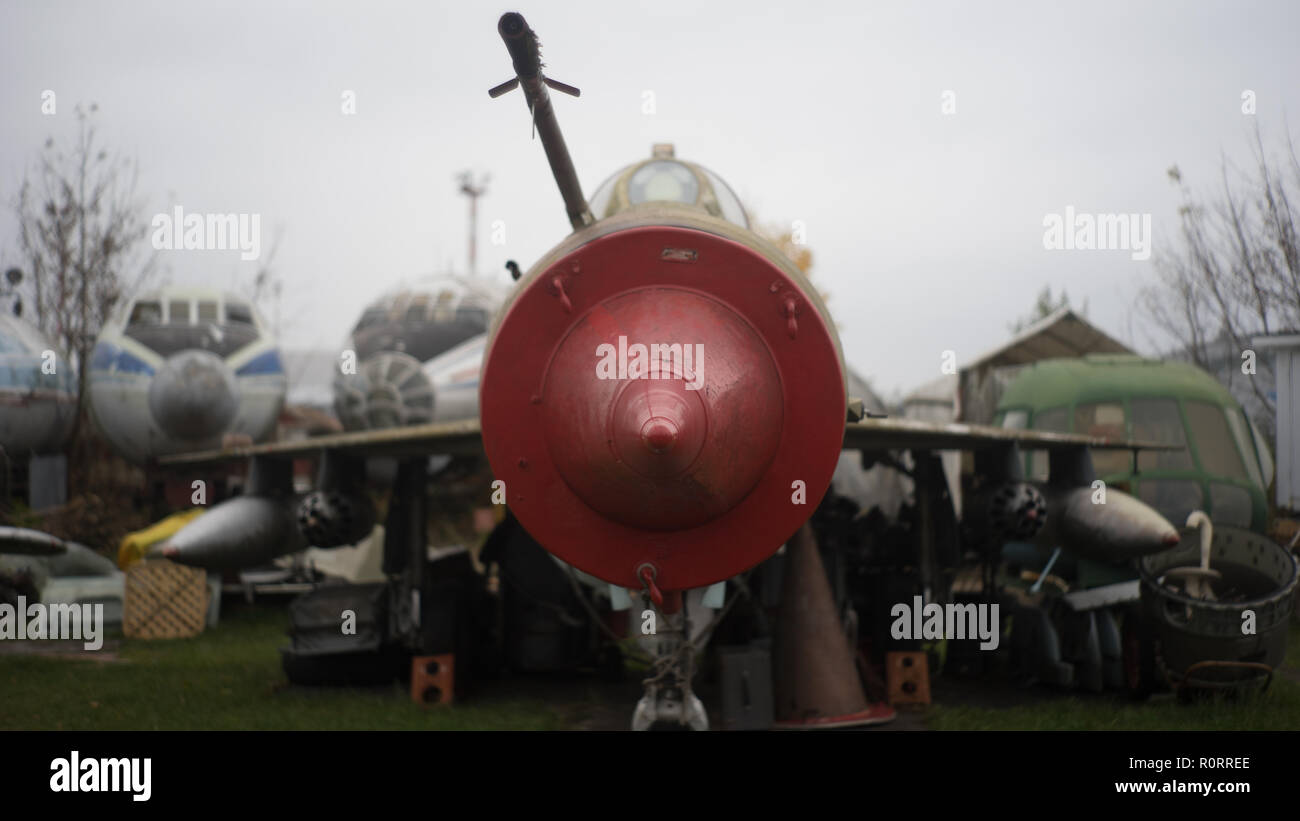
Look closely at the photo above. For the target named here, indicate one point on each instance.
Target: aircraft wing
(914, 434)
(452, 438)
(27, 542)
(465, 437)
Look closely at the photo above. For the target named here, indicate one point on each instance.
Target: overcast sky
(926, 227)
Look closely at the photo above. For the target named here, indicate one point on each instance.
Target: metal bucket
(1202, 643)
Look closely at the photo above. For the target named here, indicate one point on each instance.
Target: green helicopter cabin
(1223, 467)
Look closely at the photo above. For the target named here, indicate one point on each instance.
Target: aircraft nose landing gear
(669, 702)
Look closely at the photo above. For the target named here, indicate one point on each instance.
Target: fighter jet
(663, 403)
(180, 368)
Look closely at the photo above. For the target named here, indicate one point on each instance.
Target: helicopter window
(1015, 419)
(1172, 498)
(146, 313)
(663, 181)
(1054, 420)
(178, 312)
(1230, 505)
(1242, 438)
(207, 311)
(732, 211)
(1104, 419)
(1158, 420)
(1265, 457)
(417, 312)
(239, 313)
(1214, 444)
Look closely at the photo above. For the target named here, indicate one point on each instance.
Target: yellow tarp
(135, 545)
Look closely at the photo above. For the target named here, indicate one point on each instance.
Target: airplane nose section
(193, 395)
(685, 432)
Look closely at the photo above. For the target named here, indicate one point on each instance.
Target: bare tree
(1236, 270)
(267, 285)
(80, 232)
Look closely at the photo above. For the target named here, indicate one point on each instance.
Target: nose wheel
(669, 702)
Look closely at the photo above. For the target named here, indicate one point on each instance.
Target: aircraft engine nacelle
(390, 389)
(331, 518)
(663, 395)
(1013, 511)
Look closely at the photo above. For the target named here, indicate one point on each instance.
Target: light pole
(473, 190)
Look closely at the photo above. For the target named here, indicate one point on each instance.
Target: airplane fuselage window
(178, 312)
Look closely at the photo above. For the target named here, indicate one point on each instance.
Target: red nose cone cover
(645, 405)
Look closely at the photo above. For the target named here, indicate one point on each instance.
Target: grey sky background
(926, 229)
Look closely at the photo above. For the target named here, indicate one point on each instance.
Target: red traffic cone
(816, 682)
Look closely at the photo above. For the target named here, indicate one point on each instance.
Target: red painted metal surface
(690, 465)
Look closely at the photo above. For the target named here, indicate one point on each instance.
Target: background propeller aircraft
(180, 368)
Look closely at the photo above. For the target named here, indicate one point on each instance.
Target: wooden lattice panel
(164, 600)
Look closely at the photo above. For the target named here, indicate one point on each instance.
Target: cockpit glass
(663, 181)
(601, 200)
(669, 181)
(220, 324)
(728, 202)
(239, 312)
(372, 317)
(1214, 443)
(146, 313)
(444, 309)
(473, 315)
(1158, 420)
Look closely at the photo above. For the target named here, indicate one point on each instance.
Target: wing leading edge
(913, 434)
(452, 438)
(465, 437)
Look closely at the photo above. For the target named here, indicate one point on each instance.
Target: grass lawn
(230, 679)
(1276, 709)
(225, 679)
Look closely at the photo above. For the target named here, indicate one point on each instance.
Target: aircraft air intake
(663, 391)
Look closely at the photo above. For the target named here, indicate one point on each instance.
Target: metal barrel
(521, 42)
